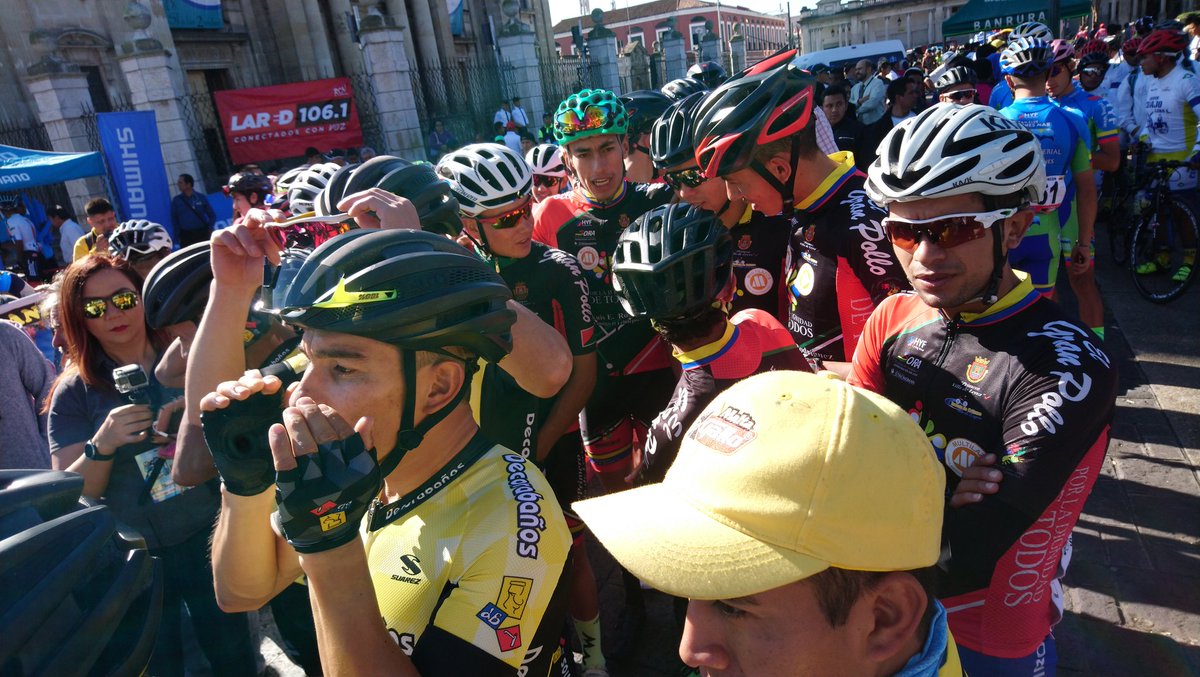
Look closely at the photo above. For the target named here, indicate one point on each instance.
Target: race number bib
(1052, 197)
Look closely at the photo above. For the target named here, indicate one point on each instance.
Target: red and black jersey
(760, 245)
(753, 342)
(1026, 383)
(840, 264)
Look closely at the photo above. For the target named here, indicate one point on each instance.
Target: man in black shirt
(846, 129)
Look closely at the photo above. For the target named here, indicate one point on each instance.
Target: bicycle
(1125, 184)
(1162, 246)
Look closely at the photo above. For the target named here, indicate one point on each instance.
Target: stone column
(318, 41)
(399, 14)
(675, 54)
(518, 49)
(737, 49)
(350, 53)
(60, 95)
(149, 78)
(710, 47)
(388, 68)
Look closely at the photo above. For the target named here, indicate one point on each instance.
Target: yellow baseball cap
(784, 475)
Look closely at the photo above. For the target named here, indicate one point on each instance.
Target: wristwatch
(91, 451)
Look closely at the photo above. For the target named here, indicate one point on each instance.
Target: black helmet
(246, 183)
(708, 72)
(672, 260)
(643, 107)
(176, 290)
(959, 75)
(770, 101)
(77, 599)
(138, 236)
(1094, 59)
(419, 183)
(683, 88)
(412, 289)
(671, 139)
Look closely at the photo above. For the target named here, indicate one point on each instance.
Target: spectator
(511, 138)
(546, 133)
(440, 141)
(527, 142)
(312, 156)
(767, 523)
(69, 232)
(504, 114)
(846, 130)
(102, 219)
(498, 132)
(902, 98)
(886, 71)
(869, 93)
(337, 156)
(22, 234)
(25, 378)
(519, 116)
(95, 432)
(352, 156)
(366, 153)
(192, 216)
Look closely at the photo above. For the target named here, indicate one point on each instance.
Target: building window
(637, 34)
(696, 28)
(658, 35)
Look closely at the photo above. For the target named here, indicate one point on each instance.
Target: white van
(840, 56)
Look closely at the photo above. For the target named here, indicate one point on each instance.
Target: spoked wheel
(1162, 252)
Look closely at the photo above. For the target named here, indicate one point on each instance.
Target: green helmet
(595, 112)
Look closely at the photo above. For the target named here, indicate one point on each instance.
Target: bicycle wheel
(1162, 252)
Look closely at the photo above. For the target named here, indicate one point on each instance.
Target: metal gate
(463, 95)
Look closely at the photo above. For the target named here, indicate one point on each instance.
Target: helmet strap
(724, 208)
(991, 291)
(411, 436)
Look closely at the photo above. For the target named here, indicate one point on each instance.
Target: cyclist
(102, 220)
(756, 131)
(457, 569)
(1064, 140)
(590, 126)
(140, 242)
(674, 265)
(1172, 105)
(22, 232)
(1104, 143)
(549, 172)
(760, 241)
(642, 107)
(1002, 94)
(957, 85)
(249, 191)
(492, 186)
(990, 370)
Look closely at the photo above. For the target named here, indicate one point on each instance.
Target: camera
(132, 382)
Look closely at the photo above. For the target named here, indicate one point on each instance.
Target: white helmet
(284, 181)
(1032, 29)
(955, 150)
(484, 176)
(303, 191)
(546, 159)
(138, 236)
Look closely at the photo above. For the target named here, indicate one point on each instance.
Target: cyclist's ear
(1015, 227)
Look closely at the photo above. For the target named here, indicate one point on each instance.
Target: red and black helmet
(770, 101)
(1093, 46)
(1131, 46)
(1163, 41)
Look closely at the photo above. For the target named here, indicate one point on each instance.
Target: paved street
(1133, 591)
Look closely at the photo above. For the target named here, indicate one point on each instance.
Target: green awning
(987, 15)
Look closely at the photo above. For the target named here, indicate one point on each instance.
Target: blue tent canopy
(22, 168)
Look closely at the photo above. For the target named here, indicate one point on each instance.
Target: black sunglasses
(95, 308)
(685, 177)
(544, 180)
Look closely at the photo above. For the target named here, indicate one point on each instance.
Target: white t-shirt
(21, 228)
(502, 116)
(70, 234)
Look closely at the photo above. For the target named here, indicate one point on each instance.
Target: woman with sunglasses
(995, 373)
(96, 432)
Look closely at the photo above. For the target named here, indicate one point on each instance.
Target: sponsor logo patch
(333, 520)
(759, 281)
(977, 370)
(492, 616)
(726, 432)
(509, 638)
(514, 595)
(806, 279)
(961, 454)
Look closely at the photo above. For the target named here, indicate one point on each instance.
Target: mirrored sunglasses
(508, 219)
(684, 177)
(305, 234)
(947, 231)
(545, 181)
(960, 95)
(95, 308)
(594, 117)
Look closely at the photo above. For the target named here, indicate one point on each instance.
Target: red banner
(267, 123)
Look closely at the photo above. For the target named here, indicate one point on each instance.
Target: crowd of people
(785, 343)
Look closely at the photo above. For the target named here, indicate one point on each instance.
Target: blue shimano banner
(130, 145)
(194, 13)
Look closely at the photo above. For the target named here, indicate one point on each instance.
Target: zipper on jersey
(951, 332)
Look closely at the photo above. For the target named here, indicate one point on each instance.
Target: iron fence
(368, 111)
(207, 138)
(564, 76)
(463, 95)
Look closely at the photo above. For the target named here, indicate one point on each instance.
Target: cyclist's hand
(238, 252)
(979, 480)
(1080, 261)
(377, 208)
(236, 420)
(328, 475)
(637, 460)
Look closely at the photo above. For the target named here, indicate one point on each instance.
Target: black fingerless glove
(323, 499)
(237, 439)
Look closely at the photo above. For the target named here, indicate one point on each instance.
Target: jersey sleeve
(1081, 157)
(505, 594)
(1191, 96)
(1125, 117)
(1105, 119)
(572, 307)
